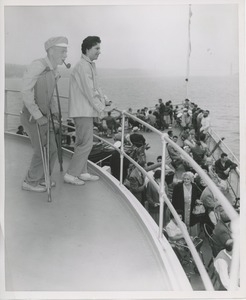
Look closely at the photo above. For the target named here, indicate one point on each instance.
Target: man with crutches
(39, 83)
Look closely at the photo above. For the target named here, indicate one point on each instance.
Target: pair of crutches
(45, 154)
(45, 149)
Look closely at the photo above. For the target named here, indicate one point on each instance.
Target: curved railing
(164, 199)
(234, 217)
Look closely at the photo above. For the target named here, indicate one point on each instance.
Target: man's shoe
(88, 177)
(73, 180)
(28, 187)
(52, 183)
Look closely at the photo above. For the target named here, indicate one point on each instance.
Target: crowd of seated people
(191, 192)
(108, 125)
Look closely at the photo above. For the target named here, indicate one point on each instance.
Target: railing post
(5, 110)
(122, 147)
(234, 274)
(162, 185)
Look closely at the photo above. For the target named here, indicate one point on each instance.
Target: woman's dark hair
(89, 42)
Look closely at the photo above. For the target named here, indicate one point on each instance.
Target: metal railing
(234, 217)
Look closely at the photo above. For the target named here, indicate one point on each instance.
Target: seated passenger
(190, 140)
(222, 264)
(198, 153)
(111, 123)
(152, 196)
(222, 231)
(223, 166)
(174, 154)
(185, 134)
(209, 202)
(214, 176)
(186, 164)
(151, 119)
(204, 144)
(118, 136)
(131, 122)
(136, 182)
(150, 173)
(173, 230)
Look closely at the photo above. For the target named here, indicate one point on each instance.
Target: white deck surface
(87, 239)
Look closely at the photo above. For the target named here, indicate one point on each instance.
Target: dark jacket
(152, 196)
(178, 200)
(115, 165)
(219, 168)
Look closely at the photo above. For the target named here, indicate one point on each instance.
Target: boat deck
(88, 238)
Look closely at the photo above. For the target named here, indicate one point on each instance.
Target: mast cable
(188, 53)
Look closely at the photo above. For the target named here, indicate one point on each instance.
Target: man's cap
(59, 41)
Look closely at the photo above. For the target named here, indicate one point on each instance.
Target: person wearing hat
(86, 101)
(137, 139)
(38, 85)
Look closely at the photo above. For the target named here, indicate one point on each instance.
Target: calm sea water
(220, 95)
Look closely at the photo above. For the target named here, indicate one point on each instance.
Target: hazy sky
(142, 36)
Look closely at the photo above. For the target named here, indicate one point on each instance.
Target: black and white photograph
(122, 133)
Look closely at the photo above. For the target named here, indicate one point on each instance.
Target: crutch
(45, 154)
(58, 142)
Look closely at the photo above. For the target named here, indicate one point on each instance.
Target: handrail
(206, 280)
(18, 91)
(163, 198)
(217, 193)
